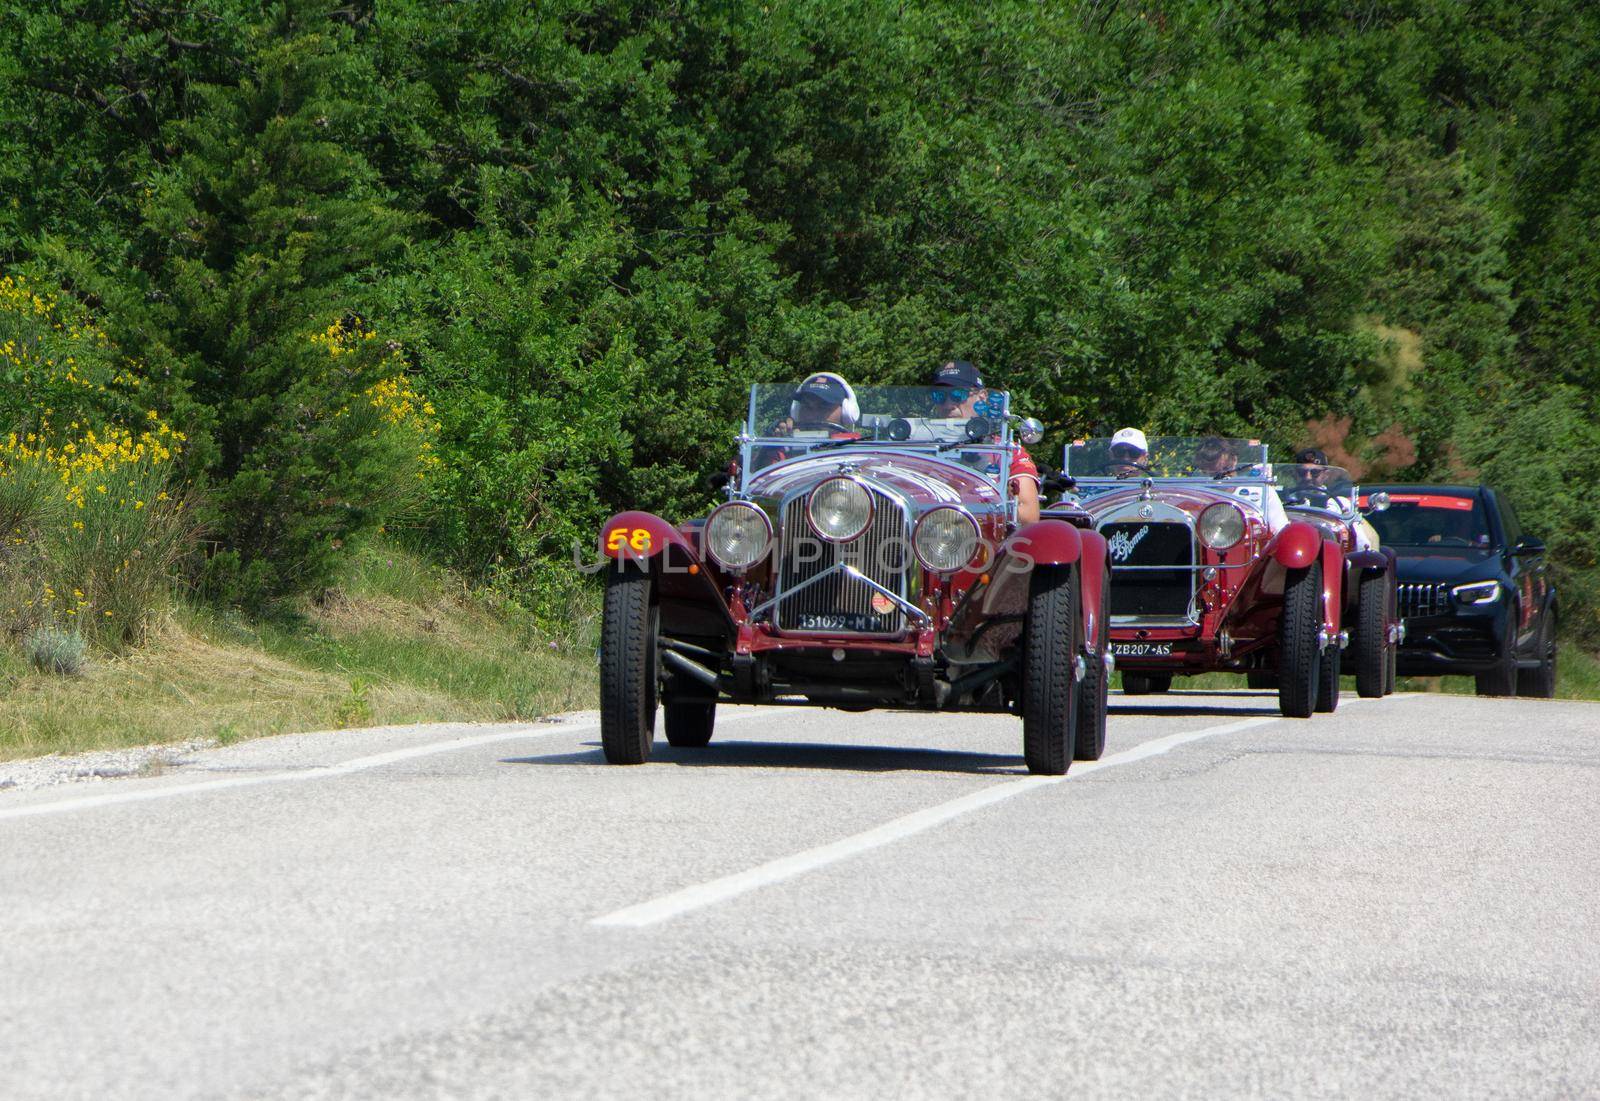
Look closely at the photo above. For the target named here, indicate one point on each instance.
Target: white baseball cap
(1132, 437)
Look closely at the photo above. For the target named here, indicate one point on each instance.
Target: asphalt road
(1401, 899)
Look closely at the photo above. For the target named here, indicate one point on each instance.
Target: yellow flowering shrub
(92, 528)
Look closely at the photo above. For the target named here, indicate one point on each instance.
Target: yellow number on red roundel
(637, 539)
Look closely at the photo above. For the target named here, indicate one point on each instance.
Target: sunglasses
(944, 395)
(1124, 452)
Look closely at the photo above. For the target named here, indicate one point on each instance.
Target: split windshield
(1168, 457)
(967, 425)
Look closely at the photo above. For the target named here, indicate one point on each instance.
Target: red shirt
(1022, 466)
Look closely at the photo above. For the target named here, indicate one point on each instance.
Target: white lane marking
(787, 867)
(323, 772)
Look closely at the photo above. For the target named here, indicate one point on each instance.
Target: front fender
(1332, 586)
(640, 536)
(1044, 543)
(1095, 566)
(1296, 546)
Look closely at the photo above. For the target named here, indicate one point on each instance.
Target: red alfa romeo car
(872, 559)
(1224, 561)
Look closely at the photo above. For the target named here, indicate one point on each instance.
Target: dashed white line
(710, 893)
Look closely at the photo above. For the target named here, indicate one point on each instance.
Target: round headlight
(1221, 526)
(737, 535)
(840, 509)
(946, 539)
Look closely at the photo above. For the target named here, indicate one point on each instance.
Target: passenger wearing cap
(1313, 488)
(958, 390)
(1130, 453)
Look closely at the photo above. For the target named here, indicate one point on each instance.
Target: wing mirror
(1378, 502)
(1529, 545)
(1030, 431)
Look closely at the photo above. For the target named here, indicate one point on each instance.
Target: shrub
(56, 650)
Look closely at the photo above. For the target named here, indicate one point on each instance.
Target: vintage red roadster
(868, 555)
(1225, 562)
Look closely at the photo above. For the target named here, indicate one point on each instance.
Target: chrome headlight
(840, 509)
(737, 535)
(1221, 526)
(1478, 592)
(946, 539)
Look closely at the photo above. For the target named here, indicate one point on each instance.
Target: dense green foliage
(585, 227)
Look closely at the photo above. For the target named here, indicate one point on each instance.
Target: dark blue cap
(829, 389)
(958, 372)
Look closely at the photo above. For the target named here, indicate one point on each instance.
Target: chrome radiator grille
(1419, 598)
(840, 602)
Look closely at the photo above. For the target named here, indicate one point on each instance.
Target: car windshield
(1306, 485)
(969, 425)
(1168, 457)
(1431, 520)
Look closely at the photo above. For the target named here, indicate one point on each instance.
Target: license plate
(1141, 649)
(825, 621)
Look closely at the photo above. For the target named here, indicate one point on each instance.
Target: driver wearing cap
(958, 391)
(1130, 453)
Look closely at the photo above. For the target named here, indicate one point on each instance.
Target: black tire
(1261, 678)
(1049, 688)
(1372, 635)
(1145, 684)
(689, 724)
(1090, 739)
(1299, 637)
(1540, 683)
(629, 673)
(1502, 679)
(1328, 680)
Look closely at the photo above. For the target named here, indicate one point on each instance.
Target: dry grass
(363, 655)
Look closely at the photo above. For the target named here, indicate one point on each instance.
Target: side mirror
(1529, 545)
(1378, 502)
(1030, 431)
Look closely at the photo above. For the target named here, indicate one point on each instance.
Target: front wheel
(1300, 642)
(1502, 679)
(1090, 741)
(1540, 683)
(629, 672)
(1328, 680)
(689, 724)
(1372, 636)
(1049, 677)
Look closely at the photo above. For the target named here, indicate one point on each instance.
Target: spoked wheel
(629, 666)
(1299, 638)
(1090, 741)
(1372, 635)
(1540, 683)
(689, 723)
(1049, 685)
(1328, 680)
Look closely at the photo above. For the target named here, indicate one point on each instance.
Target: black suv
(1475, 595)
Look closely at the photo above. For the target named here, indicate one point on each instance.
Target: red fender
(1095, 565)
(1044, 543)
(1296, 546)
(1332, 585)
(639, 536)
(1041, 543)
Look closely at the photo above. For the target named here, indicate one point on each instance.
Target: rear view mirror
(1030, 431)
(1378, 502)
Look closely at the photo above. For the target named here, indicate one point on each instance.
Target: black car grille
(844, 602)
(1150, 592)
(1424, 598)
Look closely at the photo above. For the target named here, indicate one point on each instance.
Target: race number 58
(637, 539)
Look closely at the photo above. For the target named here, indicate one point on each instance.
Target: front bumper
(1463, 642)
